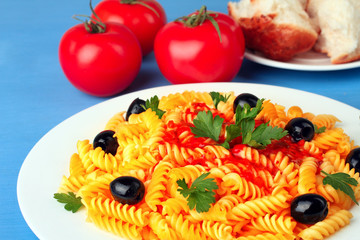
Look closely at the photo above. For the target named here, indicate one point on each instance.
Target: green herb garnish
(72, 203)
(217, 97)
(205, 125)
(201, 193)
(260, 136)
(319, 130)
(153, 104)
(341, 181)
(263, 134)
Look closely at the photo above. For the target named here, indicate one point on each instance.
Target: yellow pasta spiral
(157, 187)
(185, 228)
(114, 121)
(329, 139)
(217, 230)
(117, 227)
(162, 228)
(327, 227)
(268, 113)
(71, 184)
(241, 187)
(174, 100)
(112, 208)
(104, 161)
(259, 207)
(267, 236)
(275, 224)
(307, 176)
(294, 112)
(84, 148)
(325, 120)
(76, 165)
(174, 206)
(254, 156)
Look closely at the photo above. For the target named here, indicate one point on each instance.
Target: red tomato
(100, 64)
(195, 54)
(144, 21)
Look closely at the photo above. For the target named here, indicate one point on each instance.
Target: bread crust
(276, 41)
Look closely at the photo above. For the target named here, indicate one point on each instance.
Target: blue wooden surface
(35, 96)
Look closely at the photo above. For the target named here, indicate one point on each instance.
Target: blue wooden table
(35, 96)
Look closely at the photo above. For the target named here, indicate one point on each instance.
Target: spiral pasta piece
(325, 120)
(268, 113)
(259, 207)
(174, 206)
(267, 236)
(327, 227)
(186, 229)
(254, 156)
(107, 207)
(216, 230)
(104, 161)
(241, 187)
(329, 139)
(275, 224)
(76, 165)
(157, 187)
(294, 112)
(115, 120)
(307, 176)
(117, 227)
(71, 184)
(162, 228)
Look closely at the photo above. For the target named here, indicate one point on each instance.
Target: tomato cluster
(103, 56)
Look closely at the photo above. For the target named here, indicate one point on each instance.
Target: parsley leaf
(341, 181)
(247, 113)
(319, 130)
(217, 97)
(153, 104)
(72, 203)
(200, 194)
(232, 131)
(244, 126)
(263, 135)
(207, 126)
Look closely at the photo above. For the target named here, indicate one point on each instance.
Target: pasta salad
(199, 165)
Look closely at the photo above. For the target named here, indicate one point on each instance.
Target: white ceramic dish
(308, 61)
(48, 161)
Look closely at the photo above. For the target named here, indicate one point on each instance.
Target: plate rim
(175, 88)
(257, 57)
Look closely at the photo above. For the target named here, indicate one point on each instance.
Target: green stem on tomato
(140, 3)
(92, 25)
(199, 18)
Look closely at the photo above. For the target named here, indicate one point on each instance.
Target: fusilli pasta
(255, 186)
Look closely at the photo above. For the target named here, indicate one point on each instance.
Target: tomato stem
(92, 25)
(199, 18)
(140, 3)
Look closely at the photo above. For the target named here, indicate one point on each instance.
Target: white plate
(308, 61)
(48, 161)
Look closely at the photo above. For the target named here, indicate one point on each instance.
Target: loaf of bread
(278, 28)
(338, 24)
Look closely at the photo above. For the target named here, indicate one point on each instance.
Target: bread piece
(338, 23)
(278, 28)
(303, 3)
